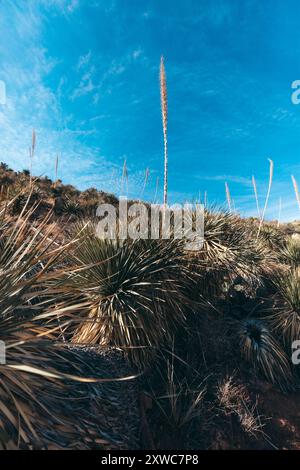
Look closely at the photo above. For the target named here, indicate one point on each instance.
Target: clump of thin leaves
(291, 252)
(229, 250)
(71, 208)
(184, 403)
(130, 293)
(272, 237)
(179, 407)
(263, 352)
(43, 385)
(287, 314)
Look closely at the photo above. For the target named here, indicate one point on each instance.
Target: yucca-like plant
(263, 352)
(287, 313)
(291, 252)
(22, 262)
(129, 292)
(21, 198)
(272, 237)
(44, 385)
(228, 251)
(71, 208)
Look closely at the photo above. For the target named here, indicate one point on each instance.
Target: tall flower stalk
(279, 212)
(124, 178)
(56, 169)
(164, 112)
(228, 198)
(31, 153)
(267, 196)
(296, 190)
(256, 196)
(147, 173)
(156, 190)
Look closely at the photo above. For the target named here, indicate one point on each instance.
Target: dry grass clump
(234, 399)
(182, 407)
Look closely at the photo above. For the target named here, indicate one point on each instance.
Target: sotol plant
(263, 352)
(43, 385)
(228, 251)
(287, 315)
(291, 252)
(130, 293)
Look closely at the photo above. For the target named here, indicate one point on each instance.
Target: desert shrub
(71, 208)
(263, 353)
(44, 385)
(290, 253)
(272, 237)
(229, 251)
(286, 314)
(130, 292)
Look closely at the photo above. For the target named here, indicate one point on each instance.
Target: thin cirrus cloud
(32, 103)
(229, 178)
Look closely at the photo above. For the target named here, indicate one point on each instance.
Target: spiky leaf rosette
(130, 292)
(71, 208)
(291, 252)
(286, 318)
(272, 237)
(228, 251)
(44, 386)
(263, 352)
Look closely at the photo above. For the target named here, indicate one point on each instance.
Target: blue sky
(84, 74)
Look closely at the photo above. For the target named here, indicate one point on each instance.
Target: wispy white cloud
(64, 6)
(137, 53)
(229, 178)
(32, 103)
(84, 60)
(96, 79)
